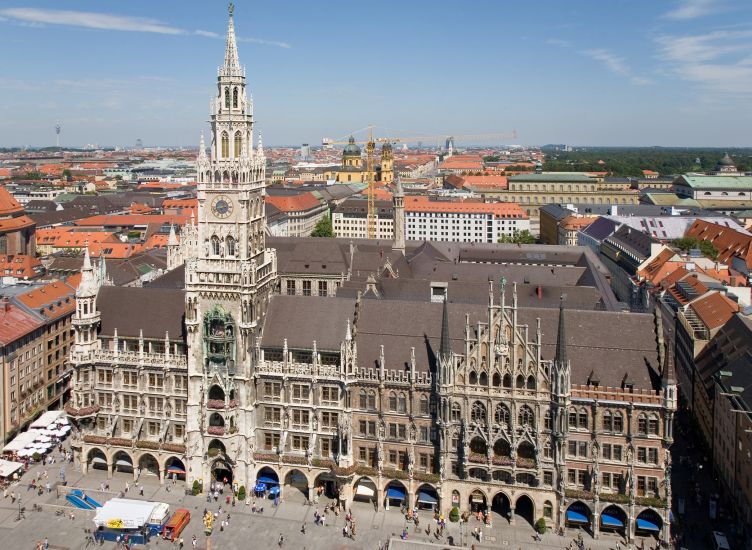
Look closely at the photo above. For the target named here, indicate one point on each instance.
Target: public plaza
(249, 530)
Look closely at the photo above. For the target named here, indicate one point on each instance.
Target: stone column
(596, 522)
(630, 526)
(161, 476)
(311, 491)
(109, 470)
(511, 513)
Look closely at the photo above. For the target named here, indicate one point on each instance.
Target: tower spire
(667, 375)
(445, 349)
(232, 64)
(202, 147)
(561, 338)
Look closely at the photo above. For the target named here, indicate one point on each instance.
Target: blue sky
(583, 72)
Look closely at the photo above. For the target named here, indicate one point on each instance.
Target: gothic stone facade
(531, 412)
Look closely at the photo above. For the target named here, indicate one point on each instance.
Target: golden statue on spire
(231, 8)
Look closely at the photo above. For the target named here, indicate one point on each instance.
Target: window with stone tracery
(478, 412)
(227, 98)
(225, 145)
(238, 144)
(525, 417)
(501, 415)
(235, 98)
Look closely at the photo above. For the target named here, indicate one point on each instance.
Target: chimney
(6, 304)
(539, 292)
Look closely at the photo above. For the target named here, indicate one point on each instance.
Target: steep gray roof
(303, 319)
(131, 309)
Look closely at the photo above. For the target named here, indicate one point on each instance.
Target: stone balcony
(106, 356)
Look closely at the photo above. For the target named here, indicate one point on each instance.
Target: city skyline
(636, 74)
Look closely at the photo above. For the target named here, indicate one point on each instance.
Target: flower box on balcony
(141, 444)
(502, 461)
(322, 463)
(578, 493)
(215, 404)
(216, 430)
(655, 502)
(174, 447)
(365, 471)
(120, 442)
(269, 456)
(477, 458)
(426, 477)
(98, 439)
(614, 497)
(292, 459)
(525, 463)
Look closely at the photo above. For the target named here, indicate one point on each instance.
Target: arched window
(372, 400)
(548, 510)
(642, 424)
(456, 412)
(225, 145)
(573, 419)
(547, 420)
(215, 245)
(520, 381)
(478, 413)
(608, 422)
(235, 98)
(473, 379)
(496, 379)
(531, 382)
(402, 403)
(392, 401)
(483, 380)
(227, 98)
(423, 404)
(238, 144)
(653, 425)
(507, 381)
(363, 396)
(501, 414)
(525, 417)
(230, 246)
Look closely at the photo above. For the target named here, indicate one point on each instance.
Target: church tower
(387, 163)
(228, 279)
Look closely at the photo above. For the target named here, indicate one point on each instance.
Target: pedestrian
(46, 543)
(127, 486)
(48, 487)
(302, 529)
(194, 541)
(180, 544)
(281, 540)
(141, 490)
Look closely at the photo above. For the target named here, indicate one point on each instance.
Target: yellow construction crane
(371, 148)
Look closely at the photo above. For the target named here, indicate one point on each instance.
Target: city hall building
(417, 373)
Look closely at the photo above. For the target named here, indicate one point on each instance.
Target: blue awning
(260, 488)
(395, 493)
(646, 525)
(611, 521)
(424, 497)
(274, 490)
(576, 517)
(268, 480)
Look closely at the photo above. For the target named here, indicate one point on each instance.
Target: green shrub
(454, 515)
(37, 457)
(241, 493)
(196, 489)
(540, 525)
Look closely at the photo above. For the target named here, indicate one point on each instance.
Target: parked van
(176, 524)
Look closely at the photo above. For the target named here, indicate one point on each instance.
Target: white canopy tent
(48, 418)
(22, 440)
(123, 513)
(8, 468)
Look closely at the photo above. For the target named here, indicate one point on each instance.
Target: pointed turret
(172, 240)
(88, 286)
(260, 148)
(348, 333)
(561, 337)
(232, 64)
(668, 377)
(398, 202)
(445, 349)
(201, 148)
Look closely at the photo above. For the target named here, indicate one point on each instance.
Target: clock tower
(228, 281)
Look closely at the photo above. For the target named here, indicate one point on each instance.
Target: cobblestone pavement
(247, 530)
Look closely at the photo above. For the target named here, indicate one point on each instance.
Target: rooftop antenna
(57, 134)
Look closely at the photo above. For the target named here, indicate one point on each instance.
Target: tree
(540, 526)
(196, 489)
(688, 243)
(241, 493)
(323, 228)
(519, 237)
(454, 514)
(67, 175)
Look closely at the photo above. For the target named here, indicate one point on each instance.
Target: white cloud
(559, 42)
(104, 21)
(692, 9)
(717, 63)
(267, 42)
(89, 20)
(617, 65)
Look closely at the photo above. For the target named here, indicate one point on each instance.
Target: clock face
(222, 206)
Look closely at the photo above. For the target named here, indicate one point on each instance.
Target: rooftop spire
(202, 147)
(232, 65)
(561, 338)
(667, 376)
(87, 287)
(399, 192)
(172, 240)
(445, 349)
